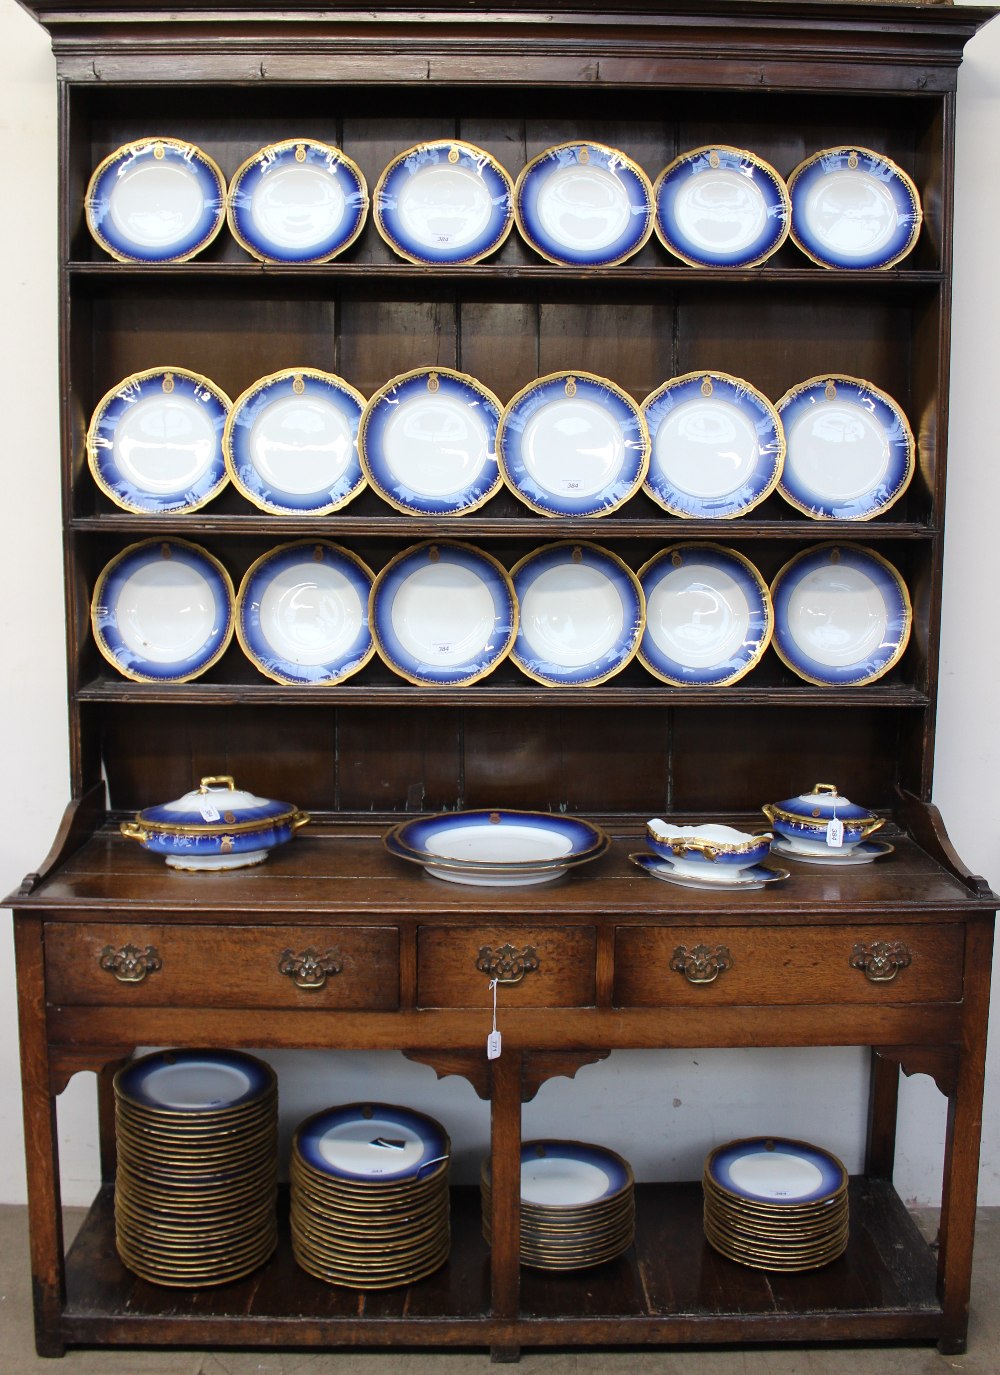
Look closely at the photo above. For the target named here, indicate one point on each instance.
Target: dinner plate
(428, 440)
(443, 613)
(154, 442)
(754, 876)
(194, 1081)
(297, 201)
(499, 839)
(776, 1170)
(571, 1174)
(841, 615)
(445, 202)
(717, 446)
(849, 448)
(162, 611)
(584, 204)
(372, 1142)
(853, 208)
(720, 206)
(708, 615)
(302, 613)
(291, 442)
(582, 614)
(155, 200)
(863, 853)
(573, 444)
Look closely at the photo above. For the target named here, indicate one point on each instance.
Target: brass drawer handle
(507, 964)
(881, 961)
(310, 969)
(129, 964)
(701, 965)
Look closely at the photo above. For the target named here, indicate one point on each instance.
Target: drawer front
(223, 966)
(538, 966)
(657, 967)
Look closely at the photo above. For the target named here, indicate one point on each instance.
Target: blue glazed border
(130, 1080)
(99, 194)
(908, 211)
(415, 160)
(773, 193)
(436, 1146)
(638, 191)
(722, 1160)
(274, 156)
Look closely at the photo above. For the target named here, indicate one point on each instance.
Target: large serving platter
(841, 615)
(582, 614)
(573, 444)
(720, 206)
(154, 442)
(499, 839)
(155, 200)
(584, 204)
(302, 613)
(849, 453)
(444, 202)
(297, 201)
(853, 208)
(708, 615)
(427, 441)
(290, 442)
(443, 613)
(717, 446)
(163, 611)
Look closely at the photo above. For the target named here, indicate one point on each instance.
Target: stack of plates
(577, 1204)
(775, 1204)
(369, 1191)
(196, 1183)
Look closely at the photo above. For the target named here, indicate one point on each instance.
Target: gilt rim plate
(154, 442)
(297, 201)
(372, 1143)
(498, 839)
(720, 206)
(776, 1170)
(194, 1081)
(155, 200)
(853, 208)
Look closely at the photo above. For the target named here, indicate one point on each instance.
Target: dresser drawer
(538, 966)
(223, 966)
(656, 966)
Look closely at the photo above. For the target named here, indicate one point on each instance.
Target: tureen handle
(830, 788)
(222, 780)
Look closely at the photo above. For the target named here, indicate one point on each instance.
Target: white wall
(694, 1099)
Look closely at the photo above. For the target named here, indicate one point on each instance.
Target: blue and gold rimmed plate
(570, 1175)
(775, 1171)
(841, 615)
(162, 611)
(156, 200)
(753, 876)
(297, 201)
(582, 614)
(291, 442)
(583, 204)
(154, 443)
(720, 206)
(850, 452)
(708, 615)
(443, 613)
(717, 446)
(185, 1081)
(428, 442)
(372, 1143)
(573, 444)
(498, 839)
(853, 208)
(302, 613)
(444, 203)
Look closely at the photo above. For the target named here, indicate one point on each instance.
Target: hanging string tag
(493, 1039)
(835, 831)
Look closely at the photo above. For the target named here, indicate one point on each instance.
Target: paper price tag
(834, 833)
(209, 811)
(493, 1046)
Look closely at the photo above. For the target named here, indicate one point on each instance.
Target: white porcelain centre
(838, 450)
(572, 616)
(301, 444)
(487, 844)
(447, 205)
(698, 616)
(775, 1174)
(311, 614)
(297, 206)
(164, 443)
(156, 203)
(837, 616)
(443, 615)
(850, 212)
(166, 611)
(583, 207)
(706, 447)
(436, 444)
(371, 1147)
(572, 445)
(558, 1183)
(195, 1085)
(720, 210)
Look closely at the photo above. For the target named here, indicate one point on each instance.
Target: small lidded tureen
(692, 848)
(820, 821)
(217, 826)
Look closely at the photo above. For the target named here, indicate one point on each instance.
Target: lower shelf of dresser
(670, 1288)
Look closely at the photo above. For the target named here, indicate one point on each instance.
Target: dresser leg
(505, 1169)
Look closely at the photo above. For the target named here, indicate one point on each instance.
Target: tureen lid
(823, 803)
(215, 803)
